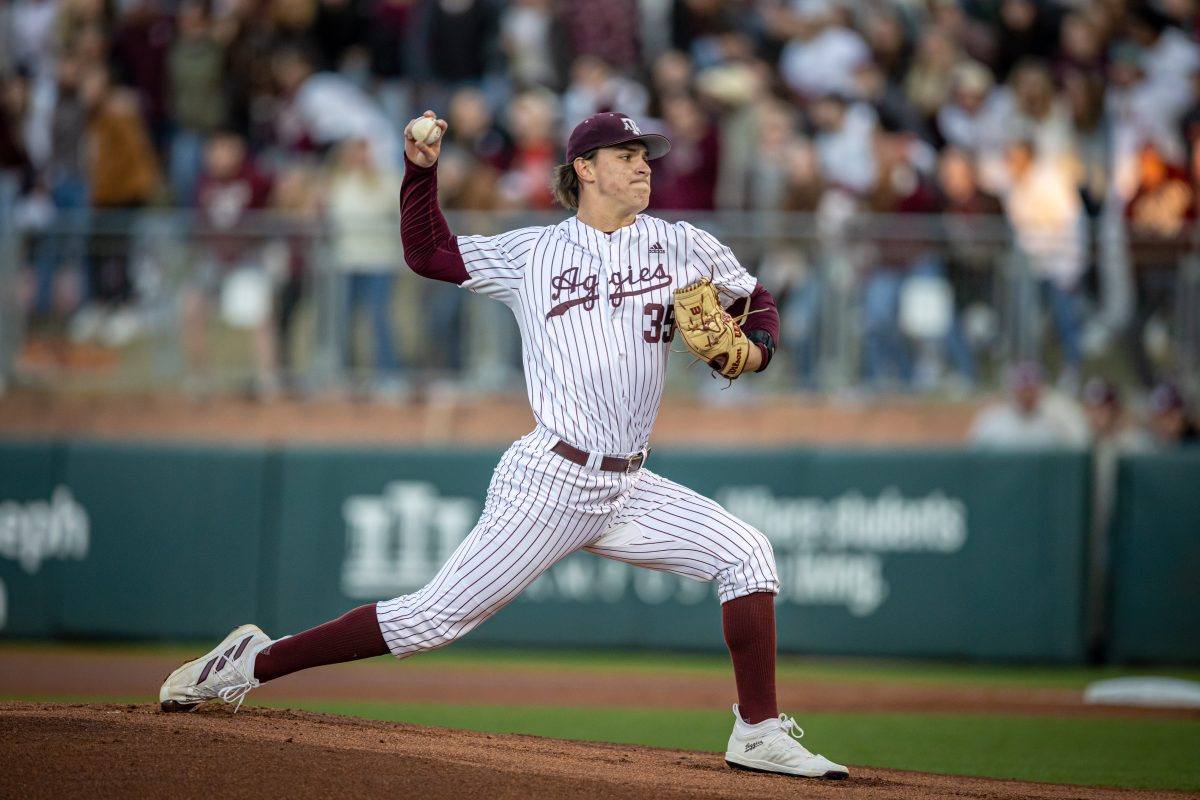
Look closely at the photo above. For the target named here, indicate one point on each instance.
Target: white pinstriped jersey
(596, 316)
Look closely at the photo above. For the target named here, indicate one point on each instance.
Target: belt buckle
(635, 463)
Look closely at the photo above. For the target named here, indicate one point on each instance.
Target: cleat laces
(238, 691)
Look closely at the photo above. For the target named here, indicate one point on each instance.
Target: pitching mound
(99, 751)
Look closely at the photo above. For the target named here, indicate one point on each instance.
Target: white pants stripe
(541, 508)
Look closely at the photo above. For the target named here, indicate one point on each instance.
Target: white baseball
(426, 130)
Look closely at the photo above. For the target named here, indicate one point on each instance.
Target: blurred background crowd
(944, 195)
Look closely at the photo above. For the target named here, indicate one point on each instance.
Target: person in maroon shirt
(975, 236)
(687, 178)
(1161, 218)
(227, 243)
(904, 199)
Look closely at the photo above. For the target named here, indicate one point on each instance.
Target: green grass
(1131, 753)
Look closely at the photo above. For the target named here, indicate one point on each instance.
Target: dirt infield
(100, 751)
(54, 750)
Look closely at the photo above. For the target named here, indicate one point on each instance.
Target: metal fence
(893, 303)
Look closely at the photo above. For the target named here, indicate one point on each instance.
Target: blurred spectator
(250, 39)
(671, 73)
(887, 35)
(845, 135)
(1110, 431)
(228, 265)
(1189, 128)
(15, 162)
(1084, 98)
(532, 118)
(531, 37)
(686, 177)
(475, 152)
(706, 29)
(288, 258)
(891, 105)
(765, 184)
(28, 39)
(463, 47)
(1031, 417)
(139, 47)
(1169, 421)
(84, 27)
(391, 35)
(361, 207)
(65, 178)
(122, 175)
(972, 31)
(974, 121)
(294, 197)
(1141, 110)
(974, 241)
(730, 93)
(320, 109)
(340, 30)
(595, 86)
(1024, 28)
(1038, 113)
(196, 66)
(1161, 217)
(930, 79)
(1045, 211)
(1169, 56)
(902, 188)
(1080, 45)
(820, 57)
(606, 29)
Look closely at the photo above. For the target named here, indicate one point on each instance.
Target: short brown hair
(565, 184)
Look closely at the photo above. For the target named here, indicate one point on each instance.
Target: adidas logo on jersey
(657, 249)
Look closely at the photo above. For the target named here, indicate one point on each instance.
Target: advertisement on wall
(910, 555)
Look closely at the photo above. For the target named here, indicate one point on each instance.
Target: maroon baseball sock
(749, 625)
(352, 636)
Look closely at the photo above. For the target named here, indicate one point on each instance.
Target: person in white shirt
(1046, 212)
(361, 208)
(1030, 417)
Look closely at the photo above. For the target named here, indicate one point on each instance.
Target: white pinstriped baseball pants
(541, 508)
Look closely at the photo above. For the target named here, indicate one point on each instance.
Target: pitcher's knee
(413, 629)
(754, 572)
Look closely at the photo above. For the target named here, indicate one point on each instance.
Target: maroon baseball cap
(612, 128)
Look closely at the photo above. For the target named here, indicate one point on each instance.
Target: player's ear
(585, 169)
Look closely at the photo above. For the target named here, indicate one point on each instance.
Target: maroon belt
(608, 463)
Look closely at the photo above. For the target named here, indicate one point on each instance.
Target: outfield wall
(896, 553)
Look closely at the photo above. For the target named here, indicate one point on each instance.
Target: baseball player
(598, 299)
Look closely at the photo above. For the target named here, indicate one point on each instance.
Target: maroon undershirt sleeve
(763, 317)
(430, 249)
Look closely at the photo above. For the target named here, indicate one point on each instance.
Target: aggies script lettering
(585, 291)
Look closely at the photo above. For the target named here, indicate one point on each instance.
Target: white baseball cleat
(773, 746)
(225, 673)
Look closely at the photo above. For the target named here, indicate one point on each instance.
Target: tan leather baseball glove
(708, 330)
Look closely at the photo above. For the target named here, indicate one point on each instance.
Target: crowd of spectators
(1069, 126)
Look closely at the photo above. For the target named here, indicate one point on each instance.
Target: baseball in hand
(425, 129)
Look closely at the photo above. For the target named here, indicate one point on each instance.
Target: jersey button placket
(616, 316)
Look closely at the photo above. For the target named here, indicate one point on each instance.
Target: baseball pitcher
(598, 299)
